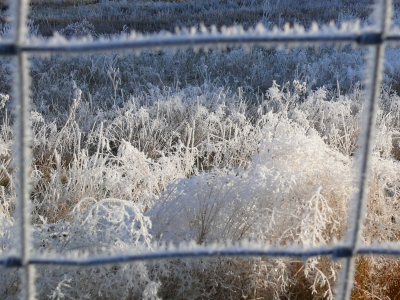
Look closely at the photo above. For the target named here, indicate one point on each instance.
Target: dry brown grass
(377, 278)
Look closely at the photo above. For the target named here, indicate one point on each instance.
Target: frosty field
(177, 149)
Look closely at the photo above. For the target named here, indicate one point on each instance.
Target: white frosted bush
(126, 176)
(208, 127)
(108, 226)
(295, 191)
(205, 208)
(382, 223)
(303, 180)
(289, 177)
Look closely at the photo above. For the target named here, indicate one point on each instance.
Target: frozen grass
(201, 164)
(149, 16)
(135, 153)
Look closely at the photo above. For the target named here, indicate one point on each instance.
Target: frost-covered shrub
(129, 175)
(231, 278)
(131, 155)
(295, 192)
(232, 205)
(383, 204)
(206, 208)
(207, 127)
(107, 226)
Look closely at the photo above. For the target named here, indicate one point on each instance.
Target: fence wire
(20, 47)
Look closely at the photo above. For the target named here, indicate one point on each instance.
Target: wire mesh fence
(375, 38)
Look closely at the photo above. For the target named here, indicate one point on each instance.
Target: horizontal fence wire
(204, 40)
(373, 38)
(201, 251)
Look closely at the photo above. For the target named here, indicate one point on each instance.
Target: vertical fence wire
(373, 79)
(21, 146)
(20, 50)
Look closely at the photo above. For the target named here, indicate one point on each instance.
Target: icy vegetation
(133, 154)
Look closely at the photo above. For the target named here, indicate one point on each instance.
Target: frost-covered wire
(198, 251)
(206, 39)
(358, 206)
(21, 146)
